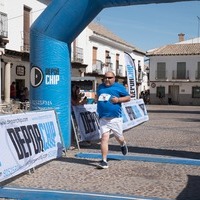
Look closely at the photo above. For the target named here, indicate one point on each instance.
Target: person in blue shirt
(110, 95)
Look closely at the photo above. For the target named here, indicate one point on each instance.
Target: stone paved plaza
(171, 132)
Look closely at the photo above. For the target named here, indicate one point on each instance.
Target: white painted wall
(185, 86)
(87, 44)
(14, 10)
(84, 41)
(171, 64)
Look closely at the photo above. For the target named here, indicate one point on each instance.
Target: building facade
(16, 19)
(175, 74)
(95, 51)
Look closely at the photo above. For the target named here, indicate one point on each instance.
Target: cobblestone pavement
(172, 131)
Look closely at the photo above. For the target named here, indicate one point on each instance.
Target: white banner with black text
(133, 112)
(27, 140)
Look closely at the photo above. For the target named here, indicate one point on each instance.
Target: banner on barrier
(87, 122)
(27, 140)
(134, 113)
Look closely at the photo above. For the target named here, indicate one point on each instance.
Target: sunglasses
(108, 77)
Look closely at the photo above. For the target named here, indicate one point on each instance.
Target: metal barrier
(14, 107)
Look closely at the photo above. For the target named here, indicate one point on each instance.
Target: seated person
(77, 98)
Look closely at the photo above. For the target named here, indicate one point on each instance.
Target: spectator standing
(160, 96)
(26, 94)
(13, 90)
(77, 98)
(147, 97)
(169, 99)
(142, 96)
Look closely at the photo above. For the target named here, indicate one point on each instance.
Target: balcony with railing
(180, 75)
(101, 68)
(161, 75)
(197, 75)
(109, 67)
(77, 55)
(97, 67)
(3, 25)
(119, 70)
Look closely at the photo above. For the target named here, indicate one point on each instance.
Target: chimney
(181, 37)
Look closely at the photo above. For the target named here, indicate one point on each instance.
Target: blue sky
(152, 25)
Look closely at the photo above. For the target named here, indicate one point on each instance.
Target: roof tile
(176, 49)
(102, 31)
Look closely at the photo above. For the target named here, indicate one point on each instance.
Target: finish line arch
(51, 36)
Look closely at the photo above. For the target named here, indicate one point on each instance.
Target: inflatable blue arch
(51, 36)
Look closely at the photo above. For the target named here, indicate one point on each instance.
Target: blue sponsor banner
(131, 77)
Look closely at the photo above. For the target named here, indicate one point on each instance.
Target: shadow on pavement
(165, 152)
(146, 150)
(190, 120)
(174, 111)
(79, 161)
(192, 189)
